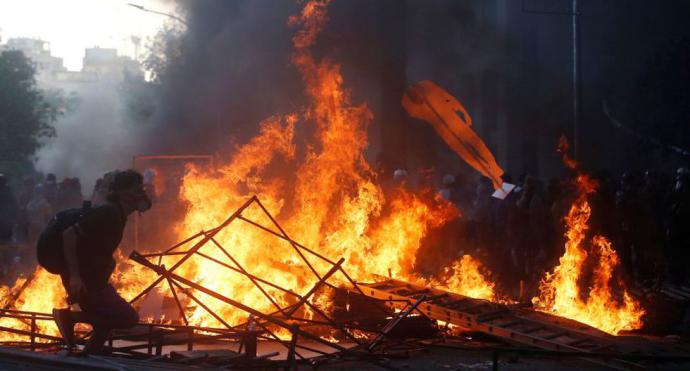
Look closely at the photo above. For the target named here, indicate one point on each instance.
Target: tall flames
(325, 194)
(561, 292)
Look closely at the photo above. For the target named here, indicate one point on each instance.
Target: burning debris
(333, 202)
(288, 232)
(377, 230)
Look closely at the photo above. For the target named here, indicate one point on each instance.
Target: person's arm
(69, 245)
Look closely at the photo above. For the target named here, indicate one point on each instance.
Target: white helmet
(399, 174)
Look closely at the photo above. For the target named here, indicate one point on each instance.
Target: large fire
(560, 291)
(325, 194)
(328, 197)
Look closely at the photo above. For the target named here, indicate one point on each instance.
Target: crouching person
(89, 238)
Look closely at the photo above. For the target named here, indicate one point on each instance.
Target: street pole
(576, 79)
(575, 13)
(141, 7)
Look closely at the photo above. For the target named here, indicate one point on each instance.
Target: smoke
(93, 137)
(233, 70)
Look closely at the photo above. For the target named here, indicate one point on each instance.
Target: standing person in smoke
(88, 248)
(678, 251)
(529, 225)
(51, 188)
(38, 213)
(24, 196)
(69, 194)
(628, 217)
(502, 216)
(8, 216)
(8, 210)
(653, 203)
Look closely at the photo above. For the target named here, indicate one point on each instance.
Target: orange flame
(45, 292)
(42, 293)
(560, 291)
(468, 277)
(326, 195)
(562, 148)
(334, 204)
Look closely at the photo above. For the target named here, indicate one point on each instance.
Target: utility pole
(575, 14)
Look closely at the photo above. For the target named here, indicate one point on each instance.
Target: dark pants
(105, 310)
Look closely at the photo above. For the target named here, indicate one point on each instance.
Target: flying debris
(429, 102)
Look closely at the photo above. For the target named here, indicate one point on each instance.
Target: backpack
(49, 247)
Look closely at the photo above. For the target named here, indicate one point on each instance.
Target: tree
(25, 115)
(165, 53)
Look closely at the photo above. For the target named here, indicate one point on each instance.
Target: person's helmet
(39, 190)
(149, 175)
(682, 178)
(448, 180)
(399, 174)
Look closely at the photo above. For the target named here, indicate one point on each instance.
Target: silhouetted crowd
(25, 209)
(27, 205)
(646, 216)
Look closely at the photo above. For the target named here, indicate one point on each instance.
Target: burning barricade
(322, 221)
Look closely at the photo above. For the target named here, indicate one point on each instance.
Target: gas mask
(143, 202)
(138, 198)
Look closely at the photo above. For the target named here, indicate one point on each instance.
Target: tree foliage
(164, 53)
(26, 117)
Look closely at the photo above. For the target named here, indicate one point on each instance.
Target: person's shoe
(65, 324)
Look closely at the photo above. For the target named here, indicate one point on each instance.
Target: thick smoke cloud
(511, 69)
(95, 136)
(233, 70)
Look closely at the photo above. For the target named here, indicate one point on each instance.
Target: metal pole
(246, 274)
(574, 12)
(33, 333)
(168, 274)
(196, 247)
(159, 13)
(576, 79)
(291, 351)
(149, 339)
